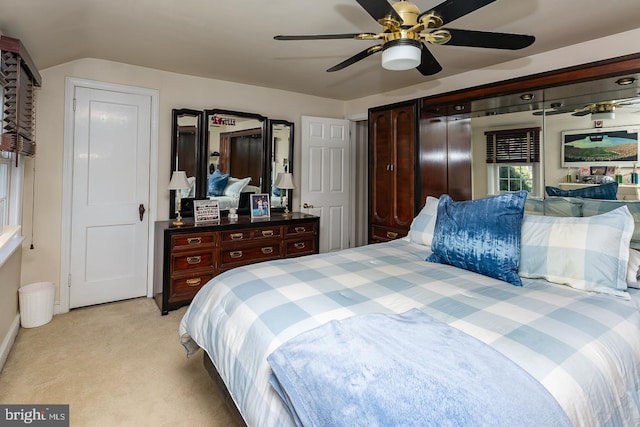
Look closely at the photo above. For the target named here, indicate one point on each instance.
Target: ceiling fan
(598, 110)
(405, 32)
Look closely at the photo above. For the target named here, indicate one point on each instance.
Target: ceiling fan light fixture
(603, 115)
(399, 55)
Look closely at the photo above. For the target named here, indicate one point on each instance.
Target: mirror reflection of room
(187, 154)
(281, 135)
(235, 159)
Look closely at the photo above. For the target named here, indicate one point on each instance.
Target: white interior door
(109, 240)
(325, 178)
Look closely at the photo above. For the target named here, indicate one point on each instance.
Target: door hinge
(74, 104)
(69, 281)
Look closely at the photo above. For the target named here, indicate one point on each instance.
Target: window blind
(20, 81)
(513, 145)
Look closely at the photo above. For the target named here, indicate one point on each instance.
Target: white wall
(176, 91)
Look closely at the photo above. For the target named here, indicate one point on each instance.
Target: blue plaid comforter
(583, 347)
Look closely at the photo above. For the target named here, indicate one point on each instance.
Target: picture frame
(260, 206)
(616, 146)
(206, 211)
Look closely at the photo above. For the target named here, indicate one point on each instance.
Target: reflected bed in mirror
(236, 152)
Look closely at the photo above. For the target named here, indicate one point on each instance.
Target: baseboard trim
(8, 340)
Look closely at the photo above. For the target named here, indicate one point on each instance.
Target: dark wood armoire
(392, 172)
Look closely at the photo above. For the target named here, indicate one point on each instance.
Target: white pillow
(423, 225)
(235, 186)
(633, 269)
(587, 253)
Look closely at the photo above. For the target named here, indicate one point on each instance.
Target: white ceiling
(233, 39)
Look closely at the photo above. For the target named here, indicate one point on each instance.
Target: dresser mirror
(186, 152)
(281, 137)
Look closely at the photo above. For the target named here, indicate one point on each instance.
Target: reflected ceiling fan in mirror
(406, 32)
(604, 110)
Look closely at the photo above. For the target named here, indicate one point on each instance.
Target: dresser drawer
(302, 229)
(184, 289)
(249, 234)
(299, 247)
(192, 241)
(240, 255)
(191, 260)
(383, 234)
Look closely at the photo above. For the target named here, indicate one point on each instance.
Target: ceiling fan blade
(550, 112)
(582, 113)
(355, 58)
(379, 9)
(450, 10)
(320, 36)
(488, 39)
(428, 63)
(631, 101)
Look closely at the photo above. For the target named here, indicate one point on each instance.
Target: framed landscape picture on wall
(601, 147)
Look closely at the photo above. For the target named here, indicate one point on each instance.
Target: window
(513, 160)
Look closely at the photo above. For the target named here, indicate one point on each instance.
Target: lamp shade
(284, 181)
(179, 181)
(403, 56)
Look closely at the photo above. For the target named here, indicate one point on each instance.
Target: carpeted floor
(117, 364)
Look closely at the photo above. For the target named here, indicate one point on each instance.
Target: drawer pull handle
(236, 236)
(300, 229)
(236, 254)
(194, 240)
(267, 250)
(392, 235)
(299, 245)
(194, 282)
(267, 233)
(194, 260)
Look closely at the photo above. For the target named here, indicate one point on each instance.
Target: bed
(582, 344)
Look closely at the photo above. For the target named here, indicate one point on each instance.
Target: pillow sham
(633, 269)
(423, 225)
(235, 186)
(217, 183)
(481, 235)
(589, 254)
(606, 191)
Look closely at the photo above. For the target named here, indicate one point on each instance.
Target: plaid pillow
(590, 254)
(422, 226)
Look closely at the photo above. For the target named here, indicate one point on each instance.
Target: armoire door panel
(459, 157)
(380, 161)
(403, 174)
(433, 153)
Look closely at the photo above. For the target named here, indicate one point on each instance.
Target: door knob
(141, 211)
(307, 206)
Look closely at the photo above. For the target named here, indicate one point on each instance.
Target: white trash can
(36, 304)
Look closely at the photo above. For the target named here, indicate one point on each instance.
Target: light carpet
(116, 364)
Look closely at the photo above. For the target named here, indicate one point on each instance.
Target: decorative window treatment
(513, 145)
(20, 77)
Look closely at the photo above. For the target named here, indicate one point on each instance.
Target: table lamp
(284, 181)
(179, 182)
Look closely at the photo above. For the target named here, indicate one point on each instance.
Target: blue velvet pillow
(217, 183)
(481, 235)
(607, 191)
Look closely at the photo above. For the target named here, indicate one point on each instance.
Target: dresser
(186, 257)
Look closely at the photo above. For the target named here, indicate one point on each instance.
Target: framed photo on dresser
(260, 206)
(205, 211)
